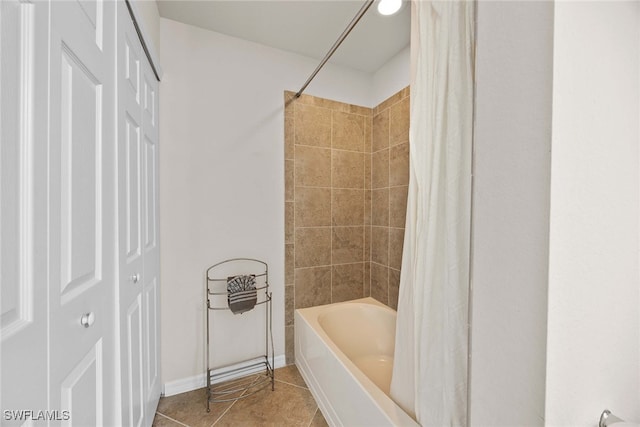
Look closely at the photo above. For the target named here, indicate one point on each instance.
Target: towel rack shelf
(248, 376)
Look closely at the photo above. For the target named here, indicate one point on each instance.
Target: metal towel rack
(236, 382)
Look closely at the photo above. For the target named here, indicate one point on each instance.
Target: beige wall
(221, 183)
(346, 170)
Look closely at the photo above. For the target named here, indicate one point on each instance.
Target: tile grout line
(389, 210)
(293, 261)
(293, 385)
(364, 186)
(233, 403)
(331, 208)
(169, 418)
(224, 413)
(313, 416)
(370, 208)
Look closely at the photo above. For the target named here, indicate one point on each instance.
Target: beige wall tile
(399, 122)
(393, 99)
(312, 126)
(347, 245)
(399, 164)
(312, 167)
(289, 350)
(366, 288)
(380, 136)
(288, 304)
(397, 206)
(347, 131)
(313, 207)
(347, 282)
(380, 207)
(347, 169)
(367, 243)
(347, 207)
(380, 282)
(380, 169)
(313, 286)
(368, 134)
(394, 288)
(396, 238)
(305, 99)
(289, 136)
(367, 207)
(380, 245)
(357, 109)
(367, 171)
(313, 247)
(323, 102)
(288, 263)
(288, 180)
(288, 222)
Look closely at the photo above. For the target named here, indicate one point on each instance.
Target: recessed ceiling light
(389, 7)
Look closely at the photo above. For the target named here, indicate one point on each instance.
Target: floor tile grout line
(233, 403)
(223, 413)
(291, 384)
(313, 416)
(169, 418)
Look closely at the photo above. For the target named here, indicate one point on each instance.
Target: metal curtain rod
(338, 42)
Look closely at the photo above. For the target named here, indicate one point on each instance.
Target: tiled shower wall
(389, 181)
(346, 173)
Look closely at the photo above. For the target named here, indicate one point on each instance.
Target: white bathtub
(344, 351)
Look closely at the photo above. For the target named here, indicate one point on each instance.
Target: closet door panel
(151, 242)
(83, 388)
(131, 212)
(134, 381)
(23, 223)
(152, 347)
(132, 176)
(81, 197)
(138, 218)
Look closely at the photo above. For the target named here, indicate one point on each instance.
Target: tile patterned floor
(290, 405)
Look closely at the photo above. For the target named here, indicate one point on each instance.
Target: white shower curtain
(430, 368)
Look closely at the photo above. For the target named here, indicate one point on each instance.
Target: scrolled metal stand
(236, 382)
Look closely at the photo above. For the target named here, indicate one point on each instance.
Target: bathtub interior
(371, 347)
(345, 354)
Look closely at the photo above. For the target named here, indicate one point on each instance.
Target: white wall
(593, 349)
(393, 76)
(222, 176)
(510, 213)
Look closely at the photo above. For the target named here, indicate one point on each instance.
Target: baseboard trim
(199, 381)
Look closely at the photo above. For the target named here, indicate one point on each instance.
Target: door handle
(87, 319)
(135, 278)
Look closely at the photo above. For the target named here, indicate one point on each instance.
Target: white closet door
(138, 235)
(23, 222)
(82, 212)
(130, 219)
(151, 275)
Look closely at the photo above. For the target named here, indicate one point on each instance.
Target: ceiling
(306, 27)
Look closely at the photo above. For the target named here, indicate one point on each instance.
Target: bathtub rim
(392, 412)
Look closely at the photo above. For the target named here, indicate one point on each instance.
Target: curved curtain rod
(338, 42)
